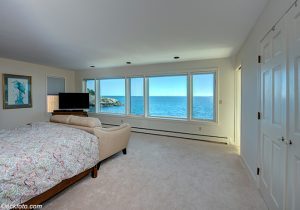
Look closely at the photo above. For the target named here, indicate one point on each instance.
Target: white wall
(225, 126)
(10, 118)
(247, 57)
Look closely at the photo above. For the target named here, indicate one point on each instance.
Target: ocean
(165, 106)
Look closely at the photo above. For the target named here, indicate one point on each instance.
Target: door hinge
(257, 171)
(258, 115)
(259, 59)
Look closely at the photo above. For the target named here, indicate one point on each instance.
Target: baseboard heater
(183, 135)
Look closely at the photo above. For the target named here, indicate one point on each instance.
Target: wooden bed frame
(39, 199)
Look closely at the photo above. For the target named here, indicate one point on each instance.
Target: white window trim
(129, 96)
(216, 92)
(170, 75)
(189, 74)
(99, 96)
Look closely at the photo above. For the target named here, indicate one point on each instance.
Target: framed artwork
(16, 91)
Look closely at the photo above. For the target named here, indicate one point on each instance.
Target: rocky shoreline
(105, 102)
(110, 102)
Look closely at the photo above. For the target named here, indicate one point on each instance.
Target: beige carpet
(165, 173)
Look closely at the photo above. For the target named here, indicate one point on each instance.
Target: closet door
(273, 121)
(293, 167)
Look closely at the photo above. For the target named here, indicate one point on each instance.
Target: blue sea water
(165, 106)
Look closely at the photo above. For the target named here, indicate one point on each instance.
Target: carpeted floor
(165, 173)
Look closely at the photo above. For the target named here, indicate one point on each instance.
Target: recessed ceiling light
(128, 62)
(176, 57)
(92, 66)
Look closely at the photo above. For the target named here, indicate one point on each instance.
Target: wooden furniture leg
(94, 171)
(124, 151)
(98, 165)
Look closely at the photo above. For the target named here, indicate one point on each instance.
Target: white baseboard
(199, 137)
(178, 135)
(252, 176)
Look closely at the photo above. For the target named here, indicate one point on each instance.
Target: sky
(112, 87)
(137, 86)
(168, 86)
(203, 85)
(158, 86)
(90, 84)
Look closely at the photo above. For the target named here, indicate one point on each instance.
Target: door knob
(281, 139)
(289, 142)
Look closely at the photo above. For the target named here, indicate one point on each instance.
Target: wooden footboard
(60, 187)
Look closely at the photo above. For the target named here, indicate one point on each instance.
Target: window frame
(188, 74)
(99, 96)
(216, 91)
(129, 96)
(187, 96)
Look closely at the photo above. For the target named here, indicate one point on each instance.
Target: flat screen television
(73, 101)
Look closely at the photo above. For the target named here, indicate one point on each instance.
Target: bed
(39, 160)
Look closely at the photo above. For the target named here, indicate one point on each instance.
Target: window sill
(161, 119)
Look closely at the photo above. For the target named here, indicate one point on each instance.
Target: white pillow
(60, 119)
(85, 121)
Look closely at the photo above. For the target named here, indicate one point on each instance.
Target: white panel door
(293, 167)
(273, 119)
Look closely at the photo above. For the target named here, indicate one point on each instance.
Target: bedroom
(172, 70)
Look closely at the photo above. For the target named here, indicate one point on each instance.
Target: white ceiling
(75, 34)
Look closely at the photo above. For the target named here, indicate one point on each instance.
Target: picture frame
(16, 91)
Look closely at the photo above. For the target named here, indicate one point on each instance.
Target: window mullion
(190, 96)
(146, 97)
(127, 96)
(216, 97)
(97, 95)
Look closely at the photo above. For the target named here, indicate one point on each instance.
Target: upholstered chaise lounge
(112, 140)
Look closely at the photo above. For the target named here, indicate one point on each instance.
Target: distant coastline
(108, 101)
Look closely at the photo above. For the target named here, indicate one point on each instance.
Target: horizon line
(162, 96)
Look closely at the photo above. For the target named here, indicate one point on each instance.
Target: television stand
(80, 113)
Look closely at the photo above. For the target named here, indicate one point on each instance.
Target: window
(203, 96)
(55, 85)
(91, 89)
(168, 96)
(137, 96)
(112, 96)
(190, 96)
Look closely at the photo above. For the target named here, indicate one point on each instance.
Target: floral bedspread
(36, 157)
